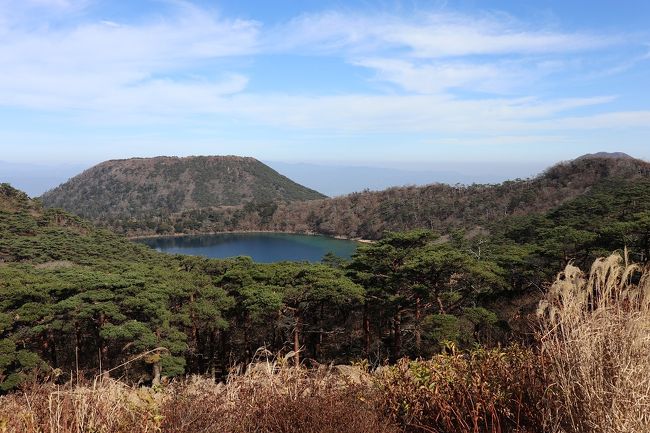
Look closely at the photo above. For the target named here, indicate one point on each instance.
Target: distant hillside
(144, 187)
(438, 207)
(611, 155)
(169, 195)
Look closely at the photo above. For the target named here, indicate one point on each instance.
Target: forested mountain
(138, 188)
(368, 214)
(443, 207)
(72, 295)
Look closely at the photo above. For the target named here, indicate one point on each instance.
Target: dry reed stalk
(269, 397)
(105, 406)
(596, 338)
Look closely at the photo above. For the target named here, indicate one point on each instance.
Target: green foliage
(72, 294)
(612, 215)
(443, 327)
(16, 364)
(172, 365)
(261, 301)
(140, 194)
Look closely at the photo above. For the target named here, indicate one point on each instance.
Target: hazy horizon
(328, 178)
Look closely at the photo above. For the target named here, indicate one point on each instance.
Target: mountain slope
(445, 207)
(438, 207)
(140, 187)
(365, 214)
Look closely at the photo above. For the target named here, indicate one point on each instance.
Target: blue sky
(393, 83)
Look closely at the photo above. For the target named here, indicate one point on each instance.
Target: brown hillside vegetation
(590, 375)
(369, 214)
(133, 188)
(443, 207)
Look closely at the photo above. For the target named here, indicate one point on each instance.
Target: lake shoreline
(178, 235)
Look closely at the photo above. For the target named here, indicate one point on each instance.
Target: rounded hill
(139, 186)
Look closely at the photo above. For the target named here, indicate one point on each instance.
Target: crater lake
(261, 247)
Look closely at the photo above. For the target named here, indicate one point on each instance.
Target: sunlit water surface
(262, 247)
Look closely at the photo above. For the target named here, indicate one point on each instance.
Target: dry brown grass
(596, 338)
(272, 398)
(486, 391)
(106, 406)
(268, 398)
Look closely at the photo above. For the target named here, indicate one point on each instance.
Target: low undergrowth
(590, 373)
(478, 392)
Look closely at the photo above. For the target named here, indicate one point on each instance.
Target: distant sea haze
(334, 180)
(329, 179)
(35, 179)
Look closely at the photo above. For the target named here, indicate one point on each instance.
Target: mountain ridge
(368, 214)
(134, 187)
(610, 155)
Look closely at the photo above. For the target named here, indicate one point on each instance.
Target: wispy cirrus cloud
(360, 113)
(88, 63)
(494, 77)
(437, 51)
(191, 65)
(431, 35)
(84, 65)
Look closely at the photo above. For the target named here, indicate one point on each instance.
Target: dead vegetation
(270, 399)
(590, 374)
(481, 391)
(596, 341)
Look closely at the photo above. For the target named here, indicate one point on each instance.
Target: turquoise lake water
(262, 247)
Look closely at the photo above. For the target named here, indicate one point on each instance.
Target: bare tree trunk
(104, 366)
(319, 344)
(418, 326)
(50, 343)
(157, 368)
(296, 339)
(397, 337)
(440, 305)
(366, 330)
(195, 337)
(77, 339)
(211, 363)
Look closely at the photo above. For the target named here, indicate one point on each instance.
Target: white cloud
(84, 65)
(172, 70)
(441, 76)
(620, 120)
(438, 51)
(399, 113)
(38, 12)
(435, 78)
(432, 35)
(173, 97)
